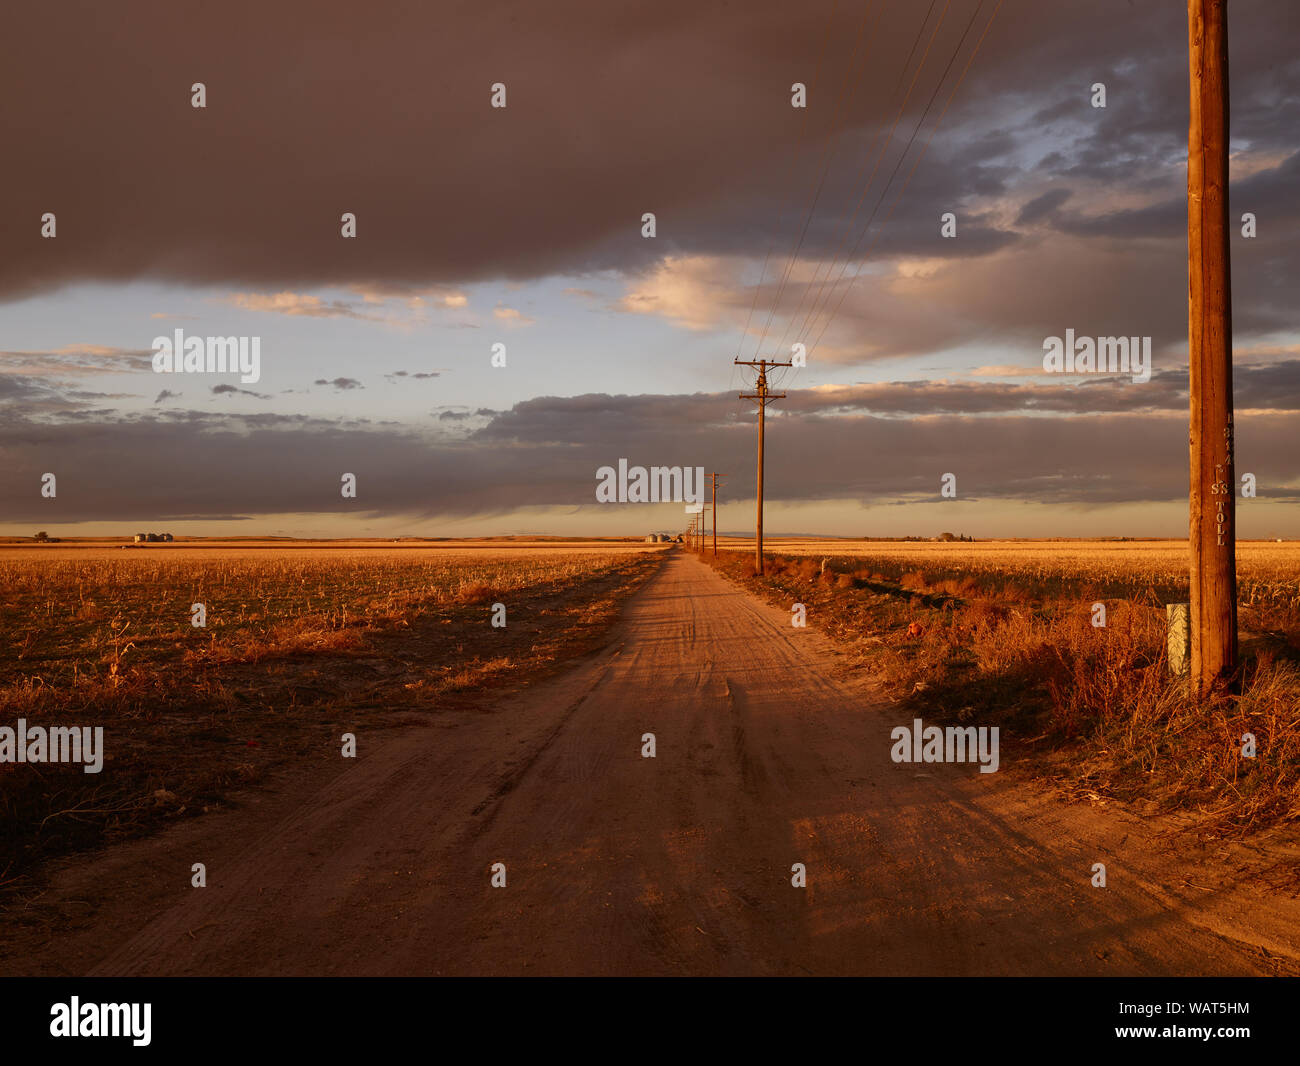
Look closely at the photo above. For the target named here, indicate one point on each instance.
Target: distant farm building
(152, 538)
(140, 538)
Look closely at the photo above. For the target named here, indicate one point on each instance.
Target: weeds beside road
(298, 648)
(1094, 708)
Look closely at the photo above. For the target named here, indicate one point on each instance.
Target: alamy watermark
(75, 1018)
(179, 354)
(57, 744)
(952, 744)
(658, 484)
(1100, 355)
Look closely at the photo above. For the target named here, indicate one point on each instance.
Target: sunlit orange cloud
(511, 316)
(1004, 371)
(695, 292)
(292, 303)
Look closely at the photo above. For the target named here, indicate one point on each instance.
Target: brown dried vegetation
(299, 647)
(1006, 638)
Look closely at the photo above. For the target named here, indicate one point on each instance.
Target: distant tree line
(941, 536)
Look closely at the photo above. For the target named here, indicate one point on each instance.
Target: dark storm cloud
(546, 452)
(669, 106)
(78, 359)
(25, 395)
(234, 390)
(1273, 385)
(597, 417)
(1041, 207)
(1270, 194)
(18, 390)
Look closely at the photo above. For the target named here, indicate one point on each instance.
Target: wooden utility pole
(764, 398)
(1212, 533)
(714, 479)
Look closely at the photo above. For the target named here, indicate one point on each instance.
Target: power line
(848, 228)
(828, 155)
(815, 80)
(764, 398)
(714, 479)
(1212, 534)
(915, 165)
(826, 291)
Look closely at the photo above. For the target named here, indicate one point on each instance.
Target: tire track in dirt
(680, 864)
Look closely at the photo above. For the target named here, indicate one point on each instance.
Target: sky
(522, 226)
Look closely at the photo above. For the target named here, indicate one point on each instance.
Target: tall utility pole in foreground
(714, 479)
(1212, 533)
(764, 398)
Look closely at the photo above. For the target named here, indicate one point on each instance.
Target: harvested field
(1265, 570)
(1003, 633)
(298, 646)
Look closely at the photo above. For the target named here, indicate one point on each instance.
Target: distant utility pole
(714, 479)
(764, 398)
(1212, 534)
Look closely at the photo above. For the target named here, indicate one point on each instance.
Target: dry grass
(1007, 639)
(1267, 572)
(299, 646)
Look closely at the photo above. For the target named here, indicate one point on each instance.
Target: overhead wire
(907, 182)
(827, 156)
(826, 289)
(916, 40)
(787, 185)
(821, 296)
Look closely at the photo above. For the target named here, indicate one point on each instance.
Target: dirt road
(677, 864)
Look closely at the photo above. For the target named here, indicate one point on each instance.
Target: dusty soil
(678, 864)
(200, 711)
